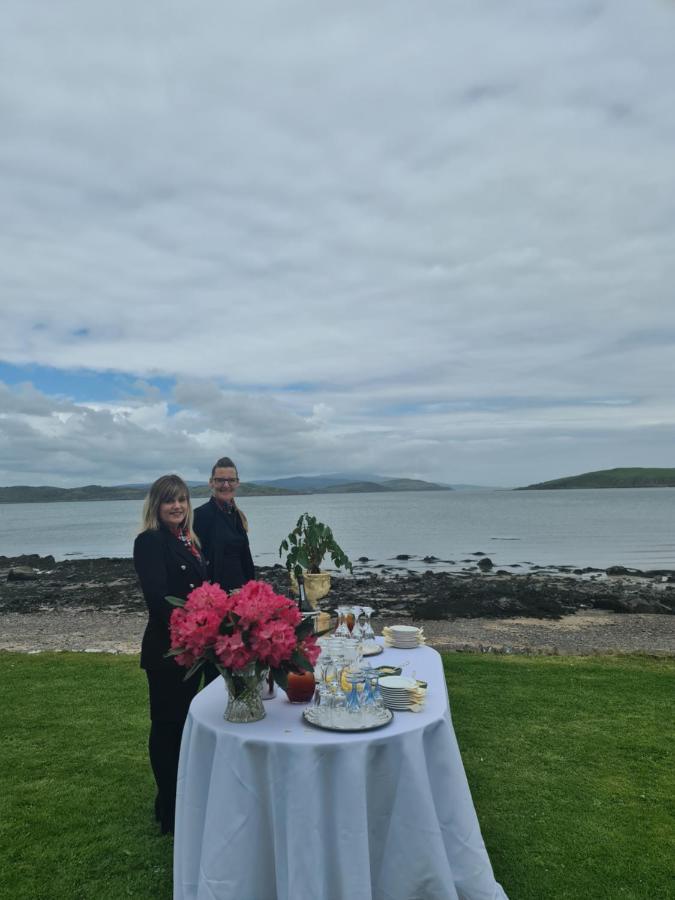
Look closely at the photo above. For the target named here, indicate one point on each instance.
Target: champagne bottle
(303, 602)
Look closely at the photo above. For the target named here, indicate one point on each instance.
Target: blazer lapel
(179, 549)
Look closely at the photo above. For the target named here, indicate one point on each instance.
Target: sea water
(516, 529)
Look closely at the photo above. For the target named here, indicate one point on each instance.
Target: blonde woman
(169, 563)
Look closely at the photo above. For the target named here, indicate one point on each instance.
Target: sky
(431, 240)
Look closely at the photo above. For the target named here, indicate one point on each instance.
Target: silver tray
(311, 716)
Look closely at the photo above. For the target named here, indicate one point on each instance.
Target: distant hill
(314, 483)
(609, 478)
(301, 485)
(48, 494)
(391, 484)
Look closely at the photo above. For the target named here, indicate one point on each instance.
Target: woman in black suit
(222, 530)
(169, 563)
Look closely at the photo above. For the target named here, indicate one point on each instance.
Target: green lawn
(568, 760)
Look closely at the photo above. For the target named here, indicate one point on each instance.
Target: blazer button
(192, 585)
(183, 567)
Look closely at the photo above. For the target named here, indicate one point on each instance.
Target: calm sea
(630, 527)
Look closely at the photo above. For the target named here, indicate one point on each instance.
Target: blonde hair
(164, 490)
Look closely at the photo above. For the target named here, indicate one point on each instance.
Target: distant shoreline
(94, 492)
(605, 479)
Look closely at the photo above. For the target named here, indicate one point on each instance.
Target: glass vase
(244, 695)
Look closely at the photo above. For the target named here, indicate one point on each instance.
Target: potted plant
(305, 548)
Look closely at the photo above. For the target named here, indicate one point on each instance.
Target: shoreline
(96, 605)
(584, 633)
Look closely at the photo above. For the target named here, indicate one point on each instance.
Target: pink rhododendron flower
(262, 626)
(310, 649)
(194, 629)
(273, 642)
(209, 596)
(232, 652)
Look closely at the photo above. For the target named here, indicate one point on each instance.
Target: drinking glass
(367, 628)
(355, 630)
(372, 698)
(354, 696)
(342, 629)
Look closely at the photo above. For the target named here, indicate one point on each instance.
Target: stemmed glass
(372, 698)
(367, 628)
(354, 698)
(342, 630)
(356, 633)
(339, 699)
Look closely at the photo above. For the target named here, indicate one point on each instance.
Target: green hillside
(48, 494)
(609, 478)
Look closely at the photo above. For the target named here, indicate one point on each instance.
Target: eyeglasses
(222, 481)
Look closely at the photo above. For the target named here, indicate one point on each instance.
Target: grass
(568, 761)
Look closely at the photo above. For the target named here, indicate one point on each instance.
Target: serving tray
(311, 715)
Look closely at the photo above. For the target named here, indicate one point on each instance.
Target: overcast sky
(429, 239)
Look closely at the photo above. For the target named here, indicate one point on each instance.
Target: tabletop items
(347, 695)
(401, 693)
(404, 637)
(384, 813)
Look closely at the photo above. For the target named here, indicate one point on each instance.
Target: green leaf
(175, 652)
(304, 629)
(280, 677)
(301, 662)
(175, 601)
(195, 668)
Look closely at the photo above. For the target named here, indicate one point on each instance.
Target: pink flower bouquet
(234, 631)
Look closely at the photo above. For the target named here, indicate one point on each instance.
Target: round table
(280, 810)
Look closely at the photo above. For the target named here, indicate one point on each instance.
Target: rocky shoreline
(96, 605)
(31, 584)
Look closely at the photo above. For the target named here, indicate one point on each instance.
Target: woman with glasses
(222, 530)
(169, 564)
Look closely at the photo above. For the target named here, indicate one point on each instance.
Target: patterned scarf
(184, 537)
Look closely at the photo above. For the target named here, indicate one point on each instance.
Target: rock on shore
(40, 583)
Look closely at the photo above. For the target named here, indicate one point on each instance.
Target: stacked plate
(399, 692)
(405, 637)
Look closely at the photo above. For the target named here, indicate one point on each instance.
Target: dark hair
(224, 463)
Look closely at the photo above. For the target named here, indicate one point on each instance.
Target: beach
(96, 605)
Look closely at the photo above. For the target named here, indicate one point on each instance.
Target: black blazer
(165, 567)
(225, 545)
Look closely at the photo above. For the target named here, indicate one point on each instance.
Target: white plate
(370, 648)
(404, 629)
(398, 682)
(398, 708)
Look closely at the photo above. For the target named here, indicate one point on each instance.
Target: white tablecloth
(278, 810)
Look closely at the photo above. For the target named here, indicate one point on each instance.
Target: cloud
(337, 229)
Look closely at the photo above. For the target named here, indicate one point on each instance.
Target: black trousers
(170, 698)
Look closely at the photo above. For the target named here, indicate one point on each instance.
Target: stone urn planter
(317, 585)
(305, 548)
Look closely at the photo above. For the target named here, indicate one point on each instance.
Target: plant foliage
(308, 544)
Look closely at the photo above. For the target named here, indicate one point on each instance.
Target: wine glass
(356, 633)
(367, 628)
(354, 696)
(342, 630)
